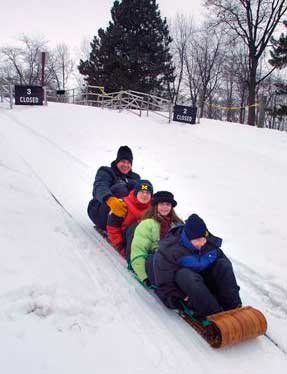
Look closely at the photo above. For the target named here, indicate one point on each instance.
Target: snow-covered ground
(67, 302)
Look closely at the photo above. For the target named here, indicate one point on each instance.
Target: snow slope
(67, 301)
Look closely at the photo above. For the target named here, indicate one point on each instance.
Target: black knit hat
(195, 227)
(163, 197)
(124, 153)
(143, 185)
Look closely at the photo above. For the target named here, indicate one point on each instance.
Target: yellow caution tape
(233, 107)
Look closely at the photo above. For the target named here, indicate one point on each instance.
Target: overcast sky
(68, 21)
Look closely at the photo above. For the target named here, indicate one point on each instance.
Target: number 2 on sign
(185, 111)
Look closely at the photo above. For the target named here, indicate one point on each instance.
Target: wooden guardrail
(6, 93)
(133, 101)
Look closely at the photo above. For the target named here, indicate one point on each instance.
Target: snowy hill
(67, 302)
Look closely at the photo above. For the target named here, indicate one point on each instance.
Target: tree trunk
(242, 109)
(201, 109)
(202, 103)
(252, 95)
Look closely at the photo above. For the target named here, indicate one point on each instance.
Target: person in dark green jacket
(110, 186)
(158, 220)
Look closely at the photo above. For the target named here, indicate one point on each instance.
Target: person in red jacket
(138, 202)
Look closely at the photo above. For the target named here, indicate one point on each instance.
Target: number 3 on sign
(28, 91)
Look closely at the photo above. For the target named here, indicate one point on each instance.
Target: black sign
(29, 95)
(186, 114)
(60, 92)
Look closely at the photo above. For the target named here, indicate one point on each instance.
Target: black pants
(211, 291)
(98, 213)
(129, 235)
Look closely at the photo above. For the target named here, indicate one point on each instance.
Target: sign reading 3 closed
(29, 95)
(186, 114)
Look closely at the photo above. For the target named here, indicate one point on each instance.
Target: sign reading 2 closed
(186, 114)
(29, 95)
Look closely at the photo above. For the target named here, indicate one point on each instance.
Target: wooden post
(121, 96)
(170, 111)
(148, 99)
(87, 93)
(73, 96)
(45, 96)
(11, 95)
(43, 61)
(141, 106)
(197, 115)
(114, 102)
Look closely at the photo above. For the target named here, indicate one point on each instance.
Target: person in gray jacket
(110, 186)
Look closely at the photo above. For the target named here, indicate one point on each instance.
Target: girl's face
(144, 196)
(164, 208)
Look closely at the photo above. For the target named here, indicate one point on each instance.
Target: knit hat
(143, 185)
(163, 197)
(124, 153)
(195, 227)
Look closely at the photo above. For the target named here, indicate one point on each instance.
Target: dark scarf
(165, 225)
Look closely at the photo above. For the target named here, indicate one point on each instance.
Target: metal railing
(72, 96)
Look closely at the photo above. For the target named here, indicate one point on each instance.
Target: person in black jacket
(110, 186)
(189, 267)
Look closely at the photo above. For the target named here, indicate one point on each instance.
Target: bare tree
(193, 79)
(61, 65)
(31, 50)
(82, 53)
(181, 31)
(12, 64)
(229, 85)
(203, 65)
(254, 21)
(235, 81)
(21, 64)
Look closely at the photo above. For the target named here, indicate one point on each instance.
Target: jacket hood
(175, 235)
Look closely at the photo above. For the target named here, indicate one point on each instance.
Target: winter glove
(118, 206)
(148, 284)
(174, 302)
(131, 185)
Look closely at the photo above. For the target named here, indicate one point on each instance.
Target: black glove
(174, 302)
(147, 283)
(131, 185)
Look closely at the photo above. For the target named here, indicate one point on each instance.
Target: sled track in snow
(273, 295)
(51, 142)
(270, 292)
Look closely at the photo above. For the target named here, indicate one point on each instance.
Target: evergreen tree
(279, 53)
(133, 52)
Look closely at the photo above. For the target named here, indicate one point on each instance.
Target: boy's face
(198, 243)
(144, 196)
